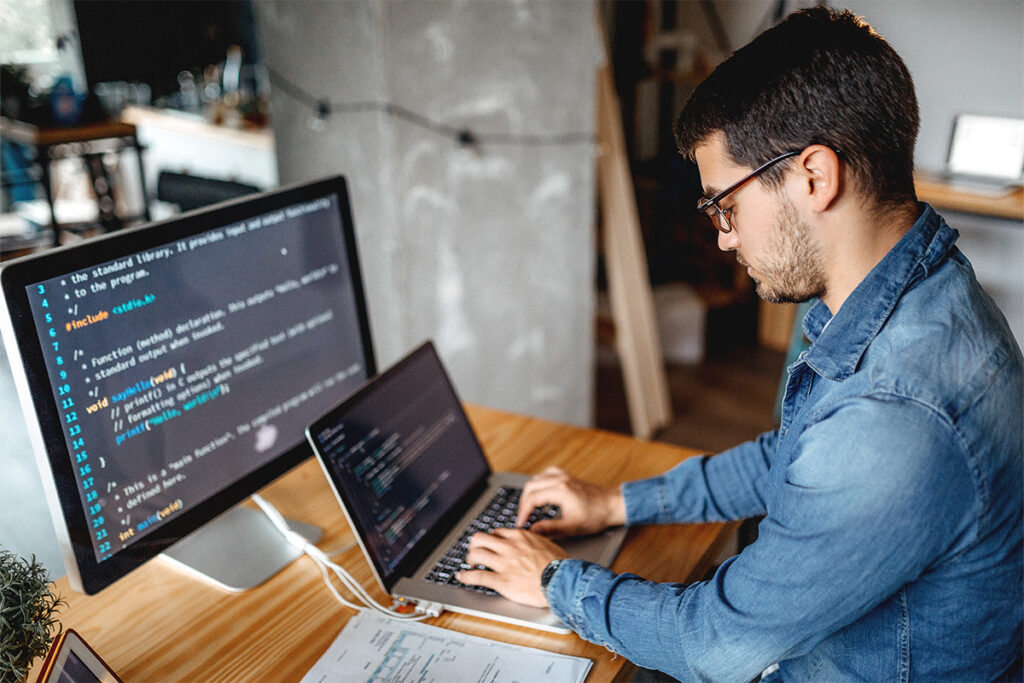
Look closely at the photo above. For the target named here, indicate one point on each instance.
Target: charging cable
(326, 566)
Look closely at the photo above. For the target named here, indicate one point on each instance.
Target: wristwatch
(548, 573)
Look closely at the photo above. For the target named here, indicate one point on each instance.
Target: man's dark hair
(821, 76)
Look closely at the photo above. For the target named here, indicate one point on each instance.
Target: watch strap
(548, 573)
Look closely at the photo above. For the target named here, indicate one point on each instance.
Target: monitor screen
(169, 371)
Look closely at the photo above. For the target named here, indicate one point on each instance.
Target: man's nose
(728, 241)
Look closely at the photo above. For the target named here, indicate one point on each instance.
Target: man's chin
(774, 296)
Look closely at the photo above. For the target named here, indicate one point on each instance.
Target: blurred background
(468, 131)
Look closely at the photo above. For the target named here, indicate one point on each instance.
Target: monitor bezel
(40, 408)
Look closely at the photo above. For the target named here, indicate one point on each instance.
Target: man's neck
(860, 240)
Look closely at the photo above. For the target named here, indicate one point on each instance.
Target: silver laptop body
(390, 452)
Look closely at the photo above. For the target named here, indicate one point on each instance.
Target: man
(891, 546)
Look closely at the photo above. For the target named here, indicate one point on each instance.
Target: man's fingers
(551, 475)
(516, 559)
(478, 577)
(548, 493)
(549, 527)
(527, 505)
(492, 549)
(483, 556)
(508, 533)
(494, 541)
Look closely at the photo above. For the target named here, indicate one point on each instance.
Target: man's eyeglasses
(719, 216)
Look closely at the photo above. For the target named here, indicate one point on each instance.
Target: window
(26, 32)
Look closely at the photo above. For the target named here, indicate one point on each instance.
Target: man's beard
(792, 270)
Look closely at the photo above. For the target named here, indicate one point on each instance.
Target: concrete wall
(489, 251)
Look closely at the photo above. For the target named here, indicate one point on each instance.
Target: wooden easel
(629, 287)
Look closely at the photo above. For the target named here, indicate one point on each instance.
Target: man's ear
(820, 173)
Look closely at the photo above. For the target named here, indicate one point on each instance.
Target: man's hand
(517, 558)
(586, 508)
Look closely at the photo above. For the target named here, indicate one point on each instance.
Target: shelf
(945, 195)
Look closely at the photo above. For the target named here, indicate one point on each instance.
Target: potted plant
(28, 608)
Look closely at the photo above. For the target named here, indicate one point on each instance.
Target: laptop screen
(988, 146)
(403, 458)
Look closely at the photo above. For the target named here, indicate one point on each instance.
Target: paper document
(372, 647)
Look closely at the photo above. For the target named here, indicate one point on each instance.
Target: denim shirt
(891, 547)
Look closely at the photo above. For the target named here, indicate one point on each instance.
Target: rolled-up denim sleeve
(717, 488)
(852, 521)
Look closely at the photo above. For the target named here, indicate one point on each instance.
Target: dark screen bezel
(408, 564)
(16, 276)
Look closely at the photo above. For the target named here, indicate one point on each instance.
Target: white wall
(489, 251)
(966, 56)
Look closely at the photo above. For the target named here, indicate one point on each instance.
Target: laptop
(414, 484)
(986, 153)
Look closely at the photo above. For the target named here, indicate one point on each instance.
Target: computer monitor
(169, 371)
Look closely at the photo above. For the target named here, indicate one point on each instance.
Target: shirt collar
(836, 351)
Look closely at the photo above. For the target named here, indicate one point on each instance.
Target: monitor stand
(240, 549)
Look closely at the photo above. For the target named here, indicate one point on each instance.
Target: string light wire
(465, 137)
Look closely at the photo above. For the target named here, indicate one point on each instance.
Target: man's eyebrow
(710, 191)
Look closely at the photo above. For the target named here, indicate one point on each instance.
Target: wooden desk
(944, 195)
(157, 624)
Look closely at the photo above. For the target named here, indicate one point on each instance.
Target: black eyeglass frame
(721, 219)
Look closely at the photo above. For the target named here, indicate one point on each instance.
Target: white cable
(334, 591)
(323, 562)
(340, 549)
(356, 588)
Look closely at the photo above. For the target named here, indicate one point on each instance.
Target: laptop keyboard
(500, 512)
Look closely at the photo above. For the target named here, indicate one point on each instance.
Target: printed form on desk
(374, 649)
